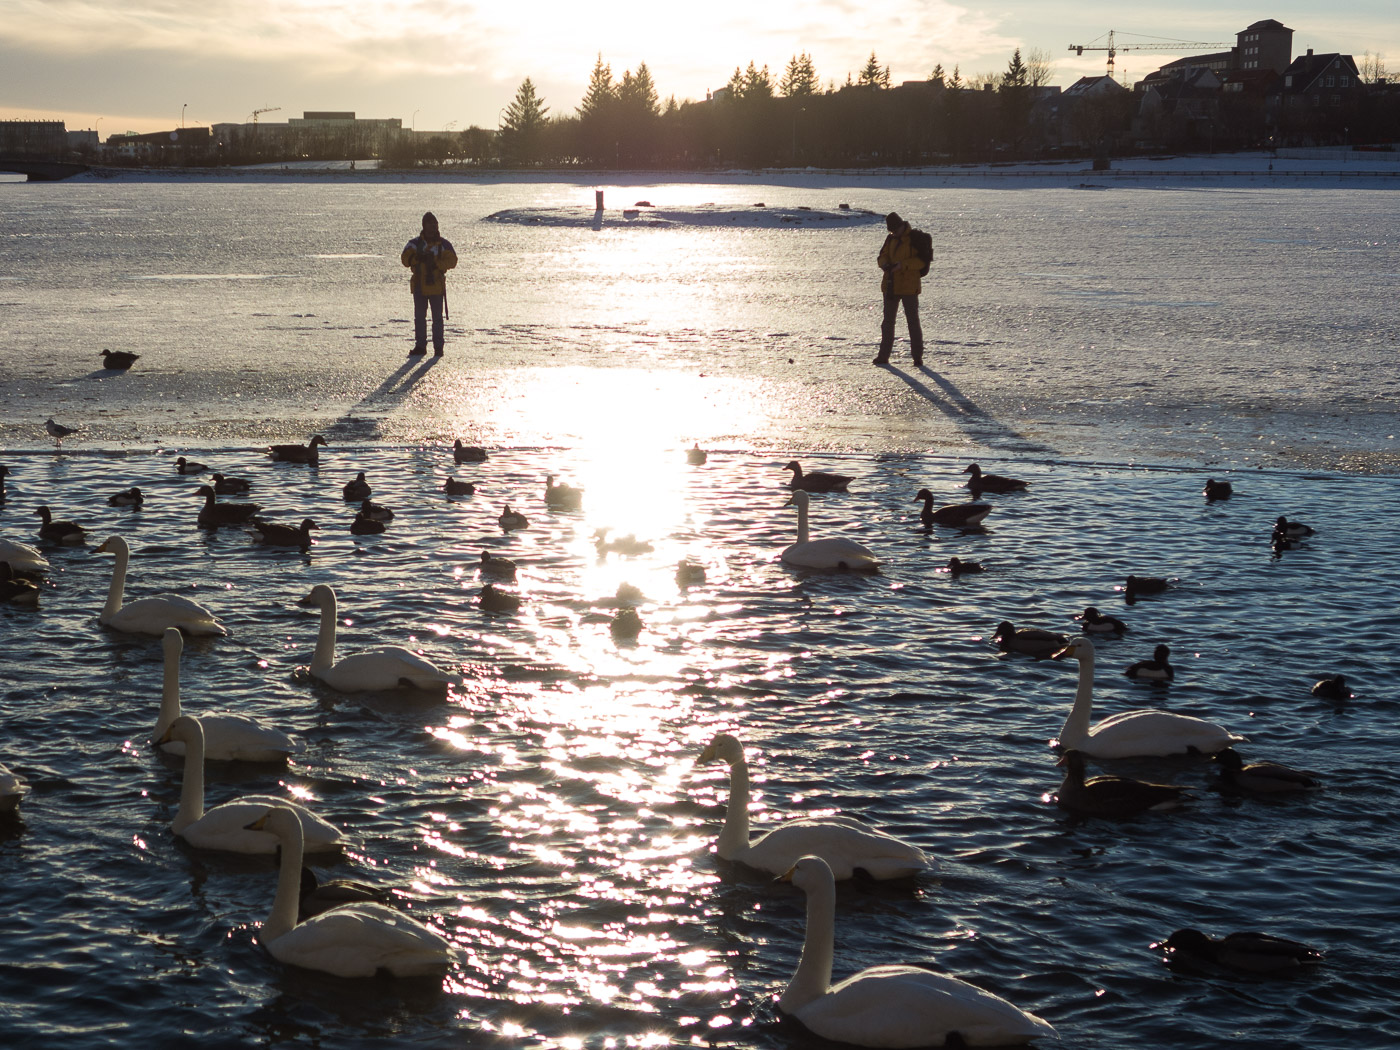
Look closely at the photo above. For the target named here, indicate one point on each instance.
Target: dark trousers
(911, 314)
(421, 303)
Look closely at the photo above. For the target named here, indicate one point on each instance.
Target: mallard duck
(689, 574)
(58, 431)
(1248, 951)
(1291, 530)
(1264, 778)
(315, 897)
(308, 453)
(958, 567)
(22, 558)
(1332, 687)
(1109, 796)
(561, 496)
(15, 589)
(956, 516)
(495, 600)
(1157, 669)
(512, 520)
(229, 486)
(131, 497)
(626, 624)
(833, 553)
(119, 359)
(980, 482)
(275, 535)
(215, 514)
(357, 490)
(1217, 489)
(696, 456)
(380, 669)
(1029, 640)
(494, 566)
(467, 453)
(365, 526)
(889, 1006)
(154, 614)
(817, 480)
(1091, 621)
(57, 531)
(12, 789)
(1137, 586)
(375, 511)
(453, 487)
(186, 466)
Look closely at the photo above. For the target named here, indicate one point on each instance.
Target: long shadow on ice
(963, 411)
(380, 401)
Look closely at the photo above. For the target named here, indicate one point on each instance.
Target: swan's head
(111, 545)
(923, 494)
(186, 729)
(321, 596)
(800, 498)
(173, 642)
(1078, 649)
(725, 747)
(808, 874)
(276, 820)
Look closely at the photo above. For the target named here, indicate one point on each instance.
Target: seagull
(58, 431)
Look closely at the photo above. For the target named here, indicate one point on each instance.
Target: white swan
(1131, 734)
(225, 826)
(834, 553)
(227, 737)
(352, 940)
(889, 1006)
(154, 614)
(845, 844)
(12, 789)
(382, 668)
(22, 557)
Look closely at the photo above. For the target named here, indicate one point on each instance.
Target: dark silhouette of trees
(800, 77)
(523, 127)
(874, 75)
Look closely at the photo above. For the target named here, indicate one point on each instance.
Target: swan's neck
(802, 523)
(114, 592)
(324, 657)
(284, 906)
(1076, 729)
(192, 790)
(812, 979)
(169, 695)
(734, 836)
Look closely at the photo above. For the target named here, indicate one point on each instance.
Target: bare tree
(1039, 68)
(1371, 67)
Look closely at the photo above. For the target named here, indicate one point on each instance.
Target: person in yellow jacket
(429, 256)
(901, 284)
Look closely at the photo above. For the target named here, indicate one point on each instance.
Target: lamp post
(413, 122)
(182, 113)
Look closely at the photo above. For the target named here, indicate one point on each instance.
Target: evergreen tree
(597, 99)
(873, 75)
(1015, 75)
(637, 92)
(937, 76)
(523, 124)
(757, 83)
(800, 77)
(955, 81)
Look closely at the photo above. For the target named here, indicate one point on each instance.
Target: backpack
(922, 243)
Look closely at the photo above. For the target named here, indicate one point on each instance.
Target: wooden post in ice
(598, 200)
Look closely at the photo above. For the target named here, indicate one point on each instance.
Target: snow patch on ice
(704, 215)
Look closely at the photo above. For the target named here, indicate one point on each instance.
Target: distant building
(317, 134)
(1318, 81)
(21, 138)
(1264, 45)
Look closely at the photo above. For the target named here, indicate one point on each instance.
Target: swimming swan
(352, 940)
(23, 558)
(1131, 734)
(371, 670)
(843, 843)
(225, 826)
(227, 737)
(889, 1006)
(154, 614)
(834, 553)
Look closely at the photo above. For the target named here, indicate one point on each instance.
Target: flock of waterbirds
(352, 929)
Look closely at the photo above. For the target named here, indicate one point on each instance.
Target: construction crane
(258, 112)
(1163, 45)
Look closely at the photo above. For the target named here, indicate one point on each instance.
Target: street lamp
(182, 113)
(413, 122)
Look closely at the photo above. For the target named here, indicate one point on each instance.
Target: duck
(561, 496)
(120, 360)
(225, 826)
(152, 615)
(375, 511)
(890, 1005)
(689, 574)
(58, 431)
(467, 453)
(1329, 687)
(382, 668)
(956, 516)
(275, 535)
(358, 489)
(628, 594)
(833, 553)
(1291, 530)
(4, 473)
(492, 565)
(495, 600)
(1245, 950)
(1132, 734)
(980, 482)
(22, 558)
(696, 456)
(1215, 490)
(958, 567)
(358, 939)
(315, 896)
(228, 737)
(363, 526)
(1157, 669)
(1263, 778)
(1137, 586)
(226, 486)
(626, 624)
(1109, 796)
(214, 514)
(58, 531)
(1091, 621)
(512, 520)
(12, 789)
(628, 545)
(453, 487)
(817, 480)
(1033, 641)
(186, 466)
(16, 589)
(847, 845)
(308, 453)
(131, 497)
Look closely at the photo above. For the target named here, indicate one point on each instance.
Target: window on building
(1344, 81)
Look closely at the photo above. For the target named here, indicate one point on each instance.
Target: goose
(154, 614)
(228, 737)
(1215, 490)
(467, 453)
(132, 497)
(214, 514)
(980, 482)
(1132, 734)
(381, 668)
(1249, 951)
(1329, 687)
(275, 535)
(495, 600)
(1264, 778)
(817, 480)
(561, 496)
(1157, 669)
(22, 558)
(453, 487)
(696, 456)
(956, 516)
(958, 567)
(308, 453)
(1091, 621)
(358, 489)
(185, 466)
(364, 526)
(230, 486)
(1029, 640)
(628, 545)
(353, 940)
(58, 431)
(375, 511)
(891, 1005)
(511, 520)
(1109, 796)
(494, 566)
(16, 589)
(626, 624)
(1136, 586)
(315, 896)
(225, 826)
(845, 844)
(689, 574)
(12, 789)
(67, 532)
(119, 359)
(836, 552)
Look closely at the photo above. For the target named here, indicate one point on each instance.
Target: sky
(149, 65)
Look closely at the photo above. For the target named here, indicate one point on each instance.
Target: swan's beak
(787, 875)
(708, 755)
(257, 825)
(1067, 653)
(165, 738)
(102, 549)
(305, 601)
(790, 500)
